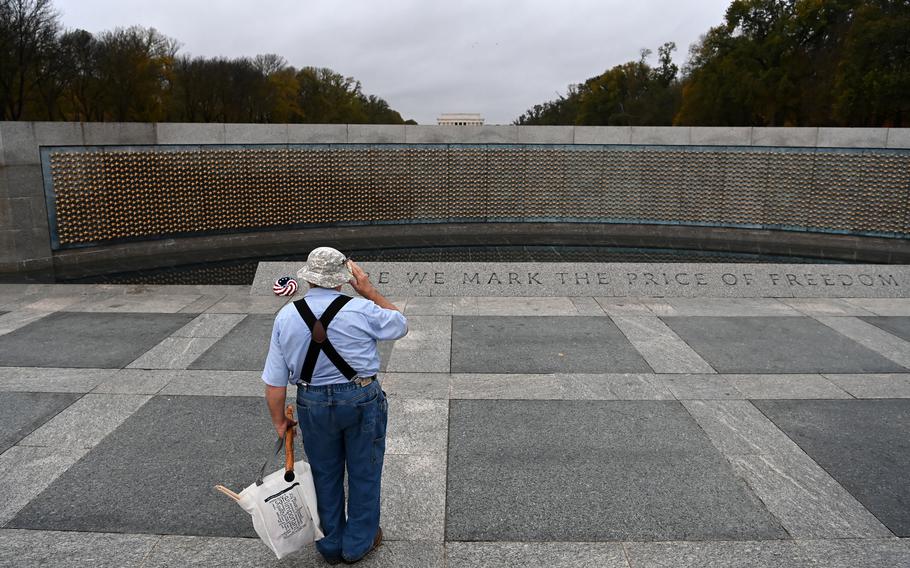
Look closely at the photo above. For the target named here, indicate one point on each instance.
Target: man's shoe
(376, 543)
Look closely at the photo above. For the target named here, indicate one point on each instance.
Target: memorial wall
(74, 194)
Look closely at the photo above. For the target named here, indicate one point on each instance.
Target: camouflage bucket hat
(325, 267)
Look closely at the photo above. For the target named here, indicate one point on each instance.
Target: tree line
(769, 63)
(138, 74)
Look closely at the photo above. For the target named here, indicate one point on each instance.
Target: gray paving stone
(416, 385)
(33, 379)
(532, 387)
(244, 348)
(587, 306)
(736, 427)
(234, 304)
(871, 337)
(214, 383)
(863, 444)
(700, 386)
(729, 307)
(25, 472)
(133, 381)
(637, 386)
(71, 339)
(86, 422)
(525, 554)
(866, 553)
(23, 412)
(136, 303)
(776, 345)
(785, 386)
(664, 351)
(517, 307)
(895, 325)
(74, 549)
(808, 502)
(216, 552)
(414, 497)
(884, 385)
(12, 321)
(624, 307)
(417, 426)
(591, 471)
(210, 325)
(426, 347)
(198, 441)
(883, 306)
(429, 306)
(174, 353)
(825, 307)
(544, 344)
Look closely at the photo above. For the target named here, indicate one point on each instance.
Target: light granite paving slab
(532, 387)
(416, 385)
(808, 502)
(216, 552)
(540, 345)
(730, 307)
(863, 444)
(243, 348)
(22, 412)
(136, 303)
(883, 306)
(637, 386)
(591, 471)
(14, 320)
(895, 385)
(209, 325)
(214, 383)
(623, 307)
(872, 337)
(898, 326)
(25, 472)
(54, 304)
(414, 497)
(736, 427)
(174, 353)
(200, 441)
(825, 307)
(526, 554)
(66, 549)
(786, 386)
(482, 306)
(36, 379)
(778, 345)
(865, 553)
(86, 422)
(664, 351)
(685, 387)
(248, 305)
(134, 381)
(586, 306)
(429, 306)
(426, 347)
(205, 302)
(95, 340)
(417, 426)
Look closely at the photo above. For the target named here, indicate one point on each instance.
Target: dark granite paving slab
(776, 345)
(542, 344)
(22, 412)
(895, 325)
(863, 444)
(87, 340)
(385, 352)
(154, 474)
(592, 471)
(244, 348)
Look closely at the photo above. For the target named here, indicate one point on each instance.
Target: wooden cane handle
(289, 443)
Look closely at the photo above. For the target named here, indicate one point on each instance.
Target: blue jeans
(345, 425)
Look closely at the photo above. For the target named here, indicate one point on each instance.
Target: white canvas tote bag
(283, 504)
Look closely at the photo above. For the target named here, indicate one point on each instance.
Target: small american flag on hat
(284, 286)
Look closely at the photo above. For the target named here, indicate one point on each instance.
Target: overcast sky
(425, 57)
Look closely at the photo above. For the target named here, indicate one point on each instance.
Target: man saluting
(325, 343)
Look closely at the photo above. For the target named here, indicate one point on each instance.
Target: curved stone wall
(76, 194)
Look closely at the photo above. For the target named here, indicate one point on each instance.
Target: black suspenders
(320, 339)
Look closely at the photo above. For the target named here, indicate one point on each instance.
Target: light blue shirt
(353, 333)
